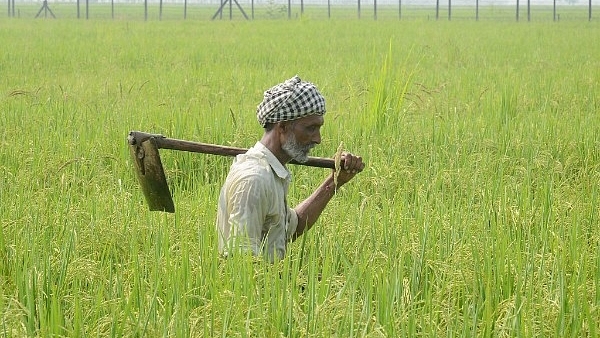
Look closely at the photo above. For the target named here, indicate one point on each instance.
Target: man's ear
(282, 126)
(286, 126)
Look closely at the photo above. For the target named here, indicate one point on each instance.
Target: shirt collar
(277, 167)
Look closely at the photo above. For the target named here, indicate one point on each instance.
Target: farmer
(253, 215)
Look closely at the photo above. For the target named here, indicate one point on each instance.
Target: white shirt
(253, 215)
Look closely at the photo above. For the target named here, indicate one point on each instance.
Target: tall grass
(476, 215)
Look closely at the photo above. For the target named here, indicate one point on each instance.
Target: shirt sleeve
(292, 222)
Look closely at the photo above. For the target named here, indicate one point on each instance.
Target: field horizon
(278, 10)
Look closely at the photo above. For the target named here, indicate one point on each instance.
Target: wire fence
(515, 10)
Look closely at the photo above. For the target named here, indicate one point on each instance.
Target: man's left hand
(350, 165)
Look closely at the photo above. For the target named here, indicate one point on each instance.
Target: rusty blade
(151, 175)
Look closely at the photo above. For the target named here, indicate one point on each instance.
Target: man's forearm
(310, 209)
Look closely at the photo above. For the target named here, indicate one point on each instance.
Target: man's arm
(310, 209)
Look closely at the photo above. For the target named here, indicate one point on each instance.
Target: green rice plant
(476, 214)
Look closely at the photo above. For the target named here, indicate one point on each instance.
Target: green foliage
(476, 216)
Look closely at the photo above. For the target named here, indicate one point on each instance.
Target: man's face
(301, 136)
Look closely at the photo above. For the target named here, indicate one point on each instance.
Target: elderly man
(253, 215)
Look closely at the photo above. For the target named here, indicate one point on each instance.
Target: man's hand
(309, 210)
(350, 165)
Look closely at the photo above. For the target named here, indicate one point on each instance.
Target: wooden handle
(162, 142)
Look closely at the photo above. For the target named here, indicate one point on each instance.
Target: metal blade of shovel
(150, 174)
(144, 150)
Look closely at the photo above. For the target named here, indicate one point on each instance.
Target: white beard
(296, 151)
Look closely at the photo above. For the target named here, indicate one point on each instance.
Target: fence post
(399, 9)
(374, 9)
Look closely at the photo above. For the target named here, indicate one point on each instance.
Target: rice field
(476, 216)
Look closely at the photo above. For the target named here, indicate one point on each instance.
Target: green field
(477, 213)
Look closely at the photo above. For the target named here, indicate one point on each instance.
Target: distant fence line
(228, 5)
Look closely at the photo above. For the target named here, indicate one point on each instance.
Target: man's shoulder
(251, 165)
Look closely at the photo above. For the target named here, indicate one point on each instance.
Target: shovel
(149, 170)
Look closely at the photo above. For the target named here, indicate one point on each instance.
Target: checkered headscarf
(290, 100)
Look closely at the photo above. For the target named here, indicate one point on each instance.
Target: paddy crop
(476, 214)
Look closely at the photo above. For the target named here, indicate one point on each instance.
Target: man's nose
(317, 137)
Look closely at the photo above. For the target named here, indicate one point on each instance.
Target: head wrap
(290, 100)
